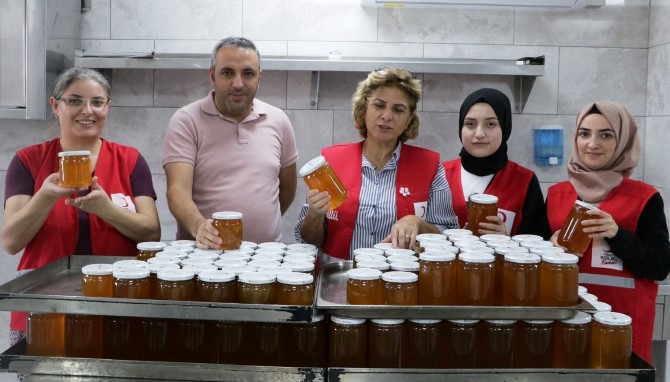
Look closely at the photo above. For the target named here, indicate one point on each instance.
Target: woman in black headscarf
(485, 122)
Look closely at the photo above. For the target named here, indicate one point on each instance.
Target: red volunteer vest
(58, 236)
(634, 296)
(416, 169)
(510, 185)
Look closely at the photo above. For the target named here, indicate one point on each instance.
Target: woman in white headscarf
(629, 248)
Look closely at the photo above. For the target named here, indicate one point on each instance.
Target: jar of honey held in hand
(229, 225)
(75, 169)
(318, 175)
(480, 207)
(572, 236)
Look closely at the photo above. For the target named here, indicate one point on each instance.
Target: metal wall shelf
(524, 74)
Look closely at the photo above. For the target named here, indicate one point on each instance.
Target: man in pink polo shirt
(230, 152)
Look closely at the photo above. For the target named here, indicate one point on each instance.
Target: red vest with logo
(416, 170)
(628, 294)
(509, 184)
(59, 234)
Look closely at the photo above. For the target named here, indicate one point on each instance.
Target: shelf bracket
(522, 87)
(314, 90)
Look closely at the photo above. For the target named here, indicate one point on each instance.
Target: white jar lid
(302, 246)
(501, 322)
(275, 271)
(364, 274)
(383, 246)
(581, 290)
(366, 257)
(172, 254)
(209, 251)
(589, 297)
(400, 277)
(505, 250)
(312, 165)
(97, 269)
(175, 275)
(157, 267)
(242, 270)
(387, 321)
(223, 263)
(299, 266)
(527, 237)
(494, 237)
(502, 244)
(198, 268)
(227, 215)
(216, 276)
(73, 153)
(256, 278)
(425, 321)
(242, 250)
(405, 266)
(379, 265)
(560, 258)
(430, 236)
(476, 257)
(536, 244)
(539, 322)
(437, 256)
(612, 318)
(602, 306)
(129, 264)
(544, 250)
(368, 251)
(347, 320)
(241, 256)
(464, 322)
(273, 251)
(195, 260)
(522, 258)
(295, 278)
(151, 246)
(399, 252)
(267, 257)
(248, 244)
(406, 258)
(263, 263)
(446, 248)
(483, 198)
(190, 243)
(178, 248)
(131, 273)
(301, 252)
(449, 232)
(163, 260)
(272, 244)
(580, 318)
(299, 259)
(203, 255)
(585, 205)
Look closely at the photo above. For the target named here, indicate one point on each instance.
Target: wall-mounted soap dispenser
(548, 145)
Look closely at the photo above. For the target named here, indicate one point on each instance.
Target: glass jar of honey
(572, 236)
(304, 343)
(420, 344)
(295, 288)
(318, 175)
(175, 284)
(256, 288)
(437, 279)
(216, 286)
(229, 225)
(480, 207)
(149, 249)
(521, 273)
(45, 334)
(266, 348)
(347, 342)
(364, 287)
(384, 340)
(500, 253)
(154, 268)
(495, 343)
(559, 280)
(475, 278)
(232, 349)
(131, 283)
(97, 281)
(572, 342)
(400, 288)
(611, 341)
(123, 335)
(75, 169)
(533, 344)
(460, 339)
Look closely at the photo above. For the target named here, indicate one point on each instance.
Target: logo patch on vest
(124, 201)
(420, 209)
(602, 256)
(331, 215)
(507, 217)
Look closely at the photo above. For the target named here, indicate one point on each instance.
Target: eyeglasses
(96, 103)
(398, 71)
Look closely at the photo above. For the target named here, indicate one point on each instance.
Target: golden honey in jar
(460, 339)
(572, 236)
(384, 340)
(347, 342)
(123, 335)
(559, 280)
(572, 342)
(97, 280)
(479, 208)
(400, 288)
(318, 175)
(533, 344)
(437, 279)
(165, 339)
(500, 253)
(45, 334)
(420, 344)
(611, 341)
(304, 343)
(154, 268)
(149, 249)
(266, 347)
(75, 169)
(475, 278)
(232, 348)
(521, 274)
(256, 288)
(229, 225)
(175, 284)
(495, 342)
(216, 286)
(295, 288)
(364, 286)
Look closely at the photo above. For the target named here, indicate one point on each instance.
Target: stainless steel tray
(332, 296)
(56, 287)
(89, 369)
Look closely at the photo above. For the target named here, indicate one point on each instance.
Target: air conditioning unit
(486, 4)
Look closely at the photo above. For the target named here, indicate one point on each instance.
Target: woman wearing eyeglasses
(395, 191)
(48, 221)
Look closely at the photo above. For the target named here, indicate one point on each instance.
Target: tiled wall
(616, 53)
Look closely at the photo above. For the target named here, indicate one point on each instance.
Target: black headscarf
(501, 106)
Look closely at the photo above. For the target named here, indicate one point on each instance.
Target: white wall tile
(626, 26)
(656, 152)
(133, 87)
(95, 23)
(117, 46)
(175, 19)
(355, 49)
(177, 88)
(446, 26)
(446, 92)
(591, 74)
(658, 81)
(659, 27)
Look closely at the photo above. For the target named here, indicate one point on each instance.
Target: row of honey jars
(488, 344)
